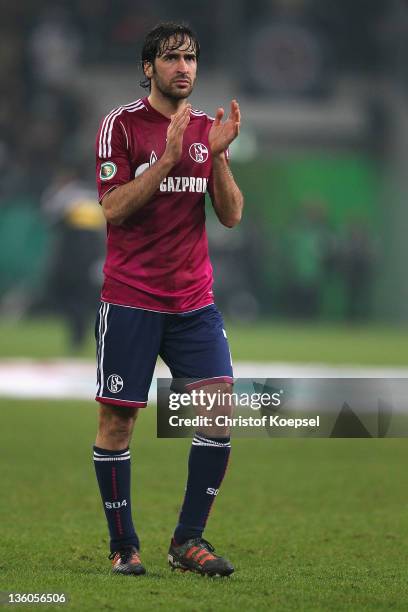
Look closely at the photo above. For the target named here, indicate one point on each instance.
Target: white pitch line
(75, 378)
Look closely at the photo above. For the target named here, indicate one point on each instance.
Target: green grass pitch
(309, 524)
(261, 341)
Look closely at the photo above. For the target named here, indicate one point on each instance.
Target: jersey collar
(154, 114)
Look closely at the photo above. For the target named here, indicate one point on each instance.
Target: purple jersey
(158, 258)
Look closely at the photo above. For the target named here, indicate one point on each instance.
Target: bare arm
(228, 201)
(125, 200)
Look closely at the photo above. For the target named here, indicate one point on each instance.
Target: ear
(148, 69)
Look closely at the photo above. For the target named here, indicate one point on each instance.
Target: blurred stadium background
(321, 158)
(316, 271)
(315, 274)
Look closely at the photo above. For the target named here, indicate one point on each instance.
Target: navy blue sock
(113, 473)
(207, 464)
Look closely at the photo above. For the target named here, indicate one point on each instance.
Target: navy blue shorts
(194, 346)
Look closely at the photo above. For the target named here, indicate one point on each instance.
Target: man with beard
(156, 158)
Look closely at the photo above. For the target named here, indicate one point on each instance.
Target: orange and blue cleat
(197, 555)
(127, 561)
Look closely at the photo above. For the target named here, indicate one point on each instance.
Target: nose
(182, 65)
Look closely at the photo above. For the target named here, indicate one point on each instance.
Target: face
(174, 72)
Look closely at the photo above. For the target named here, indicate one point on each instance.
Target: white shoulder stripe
(108, 121)
(106, 131)
(114, 110)
(112, 121)
(198, 113)
(105, 122)
(107, 136)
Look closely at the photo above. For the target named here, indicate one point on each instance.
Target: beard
(172, 90)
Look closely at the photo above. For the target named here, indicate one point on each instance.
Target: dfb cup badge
(115, 383)
(198, 152)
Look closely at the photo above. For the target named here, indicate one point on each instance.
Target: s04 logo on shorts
(212, 491)
(115, 383)
(113, 505)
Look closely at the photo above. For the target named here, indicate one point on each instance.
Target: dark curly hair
(157, 42)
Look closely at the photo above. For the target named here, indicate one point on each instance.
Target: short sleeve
(112, 156)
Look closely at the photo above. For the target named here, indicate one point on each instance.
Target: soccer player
(156, 159)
